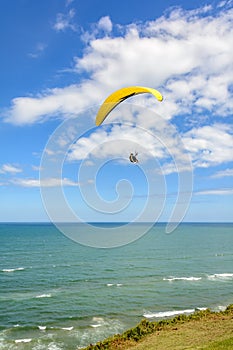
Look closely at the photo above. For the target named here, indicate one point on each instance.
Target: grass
(203, 330)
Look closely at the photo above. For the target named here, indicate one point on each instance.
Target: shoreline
(203, 329)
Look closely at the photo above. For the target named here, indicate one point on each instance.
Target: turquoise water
(58, 295)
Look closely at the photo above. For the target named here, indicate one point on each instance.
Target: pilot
(133, 158)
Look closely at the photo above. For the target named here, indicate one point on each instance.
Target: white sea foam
(98, 319)
(163, 314)
(13, 270)
(67, 328)
(50, 346)
(43, 296)
(171, 279)
(26, 340)
(98, 322)
(95, 325)
(54, 346)
(112, 284)
(42, 328)
(220, 276)
(99, 328)
(220, 308)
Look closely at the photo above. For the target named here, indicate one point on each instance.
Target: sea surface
(56, 294)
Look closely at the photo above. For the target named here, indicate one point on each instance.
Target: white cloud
(68, 2)
(118, 142)
(161, 144)
(65, 21)
(225, 3)
(103, 27)
(39, 49)
(186, 54)
(10, 169)
(51, 182)
(105, 24)
(36, 167)
(223, 173)
(210, 145)
(53, 103)
(220, 192)
(161, 49)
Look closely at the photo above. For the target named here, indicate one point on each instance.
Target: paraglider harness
(133, 158)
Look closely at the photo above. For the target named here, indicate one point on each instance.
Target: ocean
(56, 294)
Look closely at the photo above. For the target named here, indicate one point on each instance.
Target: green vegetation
(204, 330)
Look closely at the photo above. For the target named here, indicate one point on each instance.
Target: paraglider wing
(119, 96)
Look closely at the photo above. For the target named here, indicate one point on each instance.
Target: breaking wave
(220, 276)
(165, 314)
(13, 270)
(171, 279)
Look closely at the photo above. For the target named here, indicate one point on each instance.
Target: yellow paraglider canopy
(119, 96)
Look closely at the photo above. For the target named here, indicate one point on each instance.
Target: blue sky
(59, 61)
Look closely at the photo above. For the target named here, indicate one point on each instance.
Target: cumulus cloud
(210, 145)
(225, 3)
(161, 144)
(65, 21)
(52, 103)
(105, 24)
(186, 54)
(9, 169)
(102, 28)
(116, 143)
